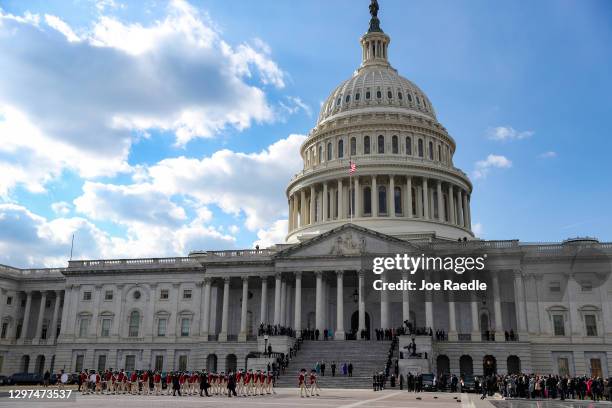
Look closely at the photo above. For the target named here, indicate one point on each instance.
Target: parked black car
(26, 379)
(469, 383)
(428, 382)
(4, 380)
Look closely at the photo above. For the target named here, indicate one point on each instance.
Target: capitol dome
(404, 183)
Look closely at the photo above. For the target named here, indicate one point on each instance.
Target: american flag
(352, 167)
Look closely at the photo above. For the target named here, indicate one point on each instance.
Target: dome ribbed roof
(386, 88)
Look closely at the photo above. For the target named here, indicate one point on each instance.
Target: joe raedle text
(445, 285)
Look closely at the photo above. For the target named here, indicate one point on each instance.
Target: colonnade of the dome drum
(380, 196)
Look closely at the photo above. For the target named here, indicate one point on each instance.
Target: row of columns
(306, 209)
(51, 329)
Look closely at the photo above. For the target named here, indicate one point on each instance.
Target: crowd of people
(275, 330)
(547, 387)
(344, 368)
(177, 383)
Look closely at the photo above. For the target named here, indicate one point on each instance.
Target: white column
(429, 317)
(311, 218)
(451, 204)
(409, 197)
(461, 219)
(263, 310)
(452, 319)
(53, 329)
(392, 200)
(319, 302)
(325, 213)
(466, 218)
(340, 201)
(118, 308)
(519, 302)
(499, 325)
(405, 300)
(374, 197)
(288, 304)
(283, 305)
(298, 303)
(26, 315)
(225, 310)
(439, 204)
(357, 196)
(277, 298)
(339, 335)
(425, 199)
(362, 325)
(302, 208)
(384, 305)
(243, 312)
(206, 313)
(93, 325)
(41, 315)
(476, 335)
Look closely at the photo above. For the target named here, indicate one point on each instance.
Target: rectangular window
(559, 325)
(83, 327)
(1, 363)
(563, 364)
(163, 294)
(78, 367)
(159, 363)
(43, 333)
(187, 294)
(101, 363)
(9, 300)
(108, 295)
(87, 295)
(182, 363)
(130, 362)
(4, 330)
(185, 323)
(590, 322)
(596, 368)
(106, 326)
(555, 287)
(161, 327)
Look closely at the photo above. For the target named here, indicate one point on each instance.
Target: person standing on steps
(350, 369)
(333, 368)
(323, 368)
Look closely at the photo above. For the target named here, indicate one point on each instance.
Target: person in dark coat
(231, 385)
(176, 385)
(204, 384)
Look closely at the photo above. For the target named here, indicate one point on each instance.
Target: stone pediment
(348, 240)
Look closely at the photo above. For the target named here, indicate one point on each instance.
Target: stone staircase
(366, 356)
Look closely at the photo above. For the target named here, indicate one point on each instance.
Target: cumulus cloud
(78, 101)
(548, 155)
(478, 229)
(29, 240)
(482, 167)
(503, 133)
(274, 235)
(61, 208)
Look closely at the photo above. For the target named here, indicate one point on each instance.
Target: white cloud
(548, 155)
(274, 235)
(478, 229)
(502, 133)
(482, 167)
(252, 183)
(294, 104)
(29, 240)
(61, 208)
(78, 102)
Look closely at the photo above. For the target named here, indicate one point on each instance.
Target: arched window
(378, 94)
(382, 200)
(466, 365)
(367, 201)
(340, 148)
(420, 147)
(409, 146)
(367, 94)
(329, 151)
(394, 145)
(398, 200)
(357, 96)
(134, 324)
(320, 157)
(366, 145)
(381, 144)
(347, 99)
(353, 146)
(389, 94)
(400, 96)
(439, 153)
(409, 97)
(431, 151)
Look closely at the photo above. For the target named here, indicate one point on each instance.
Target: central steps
(367, 356)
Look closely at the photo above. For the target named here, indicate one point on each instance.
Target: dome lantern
(375, 43)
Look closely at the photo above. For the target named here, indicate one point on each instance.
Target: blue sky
(155, 128)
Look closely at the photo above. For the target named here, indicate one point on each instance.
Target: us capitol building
(406, 196)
